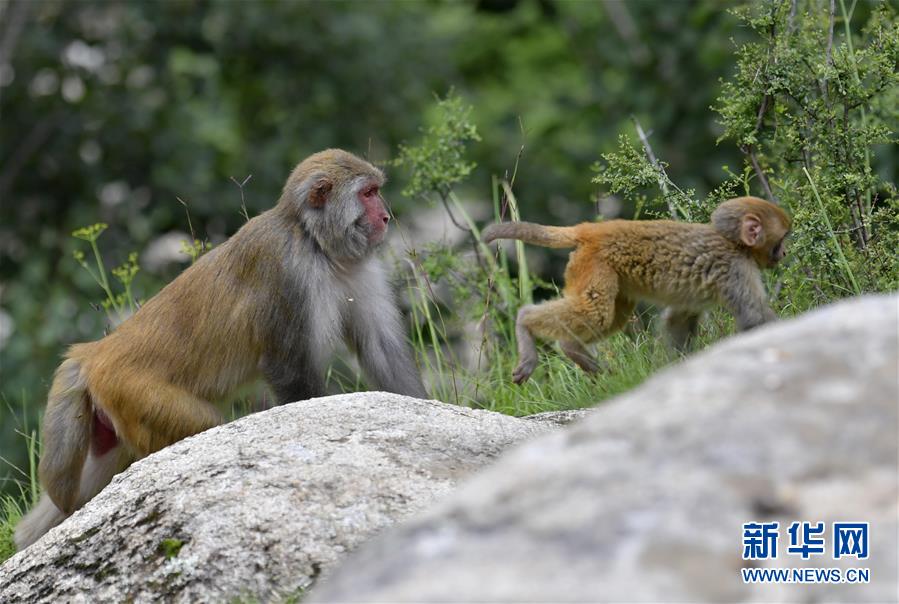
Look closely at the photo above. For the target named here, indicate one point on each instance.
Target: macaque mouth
(374, 233)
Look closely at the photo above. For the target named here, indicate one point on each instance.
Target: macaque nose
(385, 218)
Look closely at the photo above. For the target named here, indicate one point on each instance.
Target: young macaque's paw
(524, 370)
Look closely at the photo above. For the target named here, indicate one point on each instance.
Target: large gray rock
(645, 498)
(560, 418)
(259, 507)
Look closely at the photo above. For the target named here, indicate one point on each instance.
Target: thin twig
(853, 200)
(829, 53)
(511, 179)
(857, 231)
(801, 107)
(761, 112)
(749, 151)
(190, 225)
(472, 236)
(847, 18)
(504, 201)
(243, 205)
(443, 200)
(515, 169)
(833, 12)
(663, 181)
(848, 230)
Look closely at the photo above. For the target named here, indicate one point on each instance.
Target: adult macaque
(273, 301)
(687, 267)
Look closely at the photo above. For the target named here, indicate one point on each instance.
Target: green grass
(627, 359)
(10, 513)
(25, 492)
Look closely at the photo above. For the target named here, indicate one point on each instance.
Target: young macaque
(687, 267)
(273, 302)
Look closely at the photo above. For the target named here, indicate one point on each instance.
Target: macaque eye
(370, 192)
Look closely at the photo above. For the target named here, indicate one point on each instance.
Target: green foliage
(438, 161)
(627, 170)
(116, 305)
(195, 249)
(630, 171)
(811, 106)
(90, 233)
(293, 597)
(10, 513)
(170, 547)
(22, 488)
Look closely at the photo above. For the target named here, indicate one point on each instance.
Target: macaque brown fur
(686, 267)
(272, 302)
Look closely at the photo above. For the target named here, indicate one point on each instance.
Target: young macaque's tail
(535, 234)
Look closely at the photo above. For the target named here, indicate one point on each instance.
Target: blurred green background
(110, 111)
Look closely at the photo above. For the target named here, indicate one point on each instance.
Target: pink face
(375, 211)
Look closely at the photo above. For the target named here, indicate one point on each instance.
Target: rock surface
(645, 498)
(560, 418)
(257, 508)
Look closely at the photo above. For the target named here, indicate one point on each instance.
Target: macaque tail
(535, 234)
(67, 435)
(39, 519)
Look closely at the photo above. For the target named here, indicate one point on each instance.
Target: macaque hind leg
(555, 320)
(150, 413)
(105, 460)
(624, 310)
(574, 320)
(527, 347)
(575, 351)
(98, 470)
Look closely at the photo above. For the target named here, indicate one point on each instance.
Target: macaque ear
(319, 192)
(751, 231)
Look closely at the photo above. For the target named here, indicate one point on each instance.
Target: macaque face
(375, 217)
(778, 252)
(337, 198)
